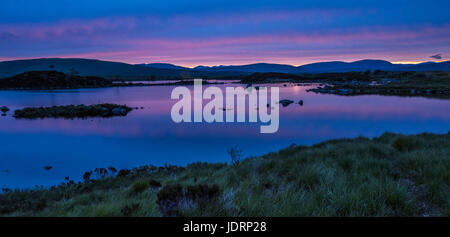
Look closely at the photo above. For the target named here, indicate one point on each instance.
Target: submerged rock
(285, 103)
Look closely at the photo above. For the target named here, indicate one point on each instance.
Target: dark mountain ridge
(161, 71)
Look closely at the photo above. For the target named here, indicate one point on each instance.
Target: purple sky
(219, 32)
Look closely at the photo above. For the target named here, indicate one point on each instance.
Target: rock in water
(300, 102)
(4, 109)
(73, 111)
(285, 103)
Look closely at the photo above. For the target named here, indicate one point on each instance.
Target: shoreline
(408, 174)
(413, 84)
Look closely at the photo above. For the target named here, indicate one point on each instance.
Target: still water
(148, 136)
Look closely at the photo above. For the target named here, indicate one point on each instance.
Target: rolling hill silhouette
(117, 70)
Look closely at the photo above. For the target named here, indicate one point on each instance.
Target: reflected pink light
(370, 108)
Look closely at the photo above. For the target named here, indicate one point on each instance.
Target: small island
(73, 111)
(430, 84)
(54, 80)
(425, 84)
(48, 80)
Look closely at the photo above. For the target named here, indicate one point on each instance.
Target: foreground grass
(391, 175)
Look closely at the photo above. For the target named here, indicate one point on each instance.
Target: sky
(231, 32)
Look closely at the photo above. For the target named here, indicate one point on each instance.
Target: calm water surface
(148, 136)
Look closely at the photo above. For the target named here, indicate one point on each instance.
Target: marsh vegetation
(389, 175)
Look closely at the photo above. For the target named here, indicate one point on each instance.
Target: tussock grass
(390, 175)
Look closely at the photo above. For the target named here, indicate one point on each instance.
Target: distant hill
(336, 66)
(364, 65)
(161, 71)
(109, 70)
(163, 66)
(430, 66)
(84, 67)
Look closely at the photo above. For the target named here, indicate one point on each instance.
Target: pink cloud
(68, 28)
(135, 40)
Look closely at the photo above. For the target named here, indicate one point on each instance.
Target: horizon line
(218, 65)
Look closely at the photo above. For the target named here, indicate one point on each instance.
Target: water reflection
(148, 136)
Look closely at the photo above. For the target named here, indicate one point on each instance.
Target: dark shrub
(6, 190)
(235, 155)
(268, 185)
(87, 176)
(202, 191)
(154, 184)
(405, 144)
(112, 169)
(173, 168)
(168, 198)
(123, 172)
(101, 172)
(345, 163)
(205, 165)
(170, 193)
(171, 196)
